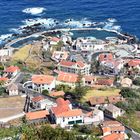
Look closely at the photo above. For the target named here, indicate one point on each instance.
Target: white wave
(6, 36)
(117, 28)
(112, 20)
(77, 24)
(45, 22)
(14, 30)
(111, 26)
(34, 10)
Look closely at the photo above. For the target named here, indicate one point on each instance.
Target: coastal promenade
(9, 44)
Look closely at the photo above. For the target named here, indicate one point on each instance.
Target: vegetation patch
(101, 92)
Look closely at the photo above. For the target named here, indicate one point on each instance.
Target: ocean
(16, 14)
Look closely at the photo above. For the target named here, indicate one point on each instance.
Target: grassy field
(132, 120)
(22, 53)
(11, 106)
(104, 92)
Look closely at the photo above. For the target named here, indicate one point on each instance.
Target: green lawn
(104, 92)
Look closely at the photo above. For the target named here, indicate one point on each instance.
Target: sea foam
(34, 11)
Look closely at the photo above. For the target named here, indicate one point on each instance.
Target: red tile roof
(105, 81)
(55, 39)
(70, 64)
(80, 64)
(12, 69)
(114, 136)
(37, 115)
(61, 102)
(133, 63)
(89, 78)
(107, 56)
(57, 93)
(37, 99)
(67, 63)
(67, 77)
(4, 79)
(42, 79)
(70, 113)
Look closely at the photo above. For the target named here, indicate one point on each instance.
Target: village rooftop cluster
(99, 63)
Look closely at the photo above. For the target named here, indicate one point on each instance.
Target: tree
(45, 92)
(136, 81)
(128, 93)
(80, 90)
(64, 88)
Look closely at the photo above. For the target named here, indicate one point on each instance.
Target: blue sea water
(126, 12)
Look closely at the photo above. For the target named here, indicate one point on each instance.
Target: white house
(42, 103)
(94, 117)
(12, 70)
(64, 115)
(113, 111)
(74, 67)
(66, 38)
(89, 44)
(43, 82)
(12, 90)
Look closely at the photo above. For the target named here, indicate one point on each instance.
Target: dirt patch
(11, 106)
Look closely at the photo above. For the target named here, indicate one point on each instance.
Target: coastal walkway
(9, 44)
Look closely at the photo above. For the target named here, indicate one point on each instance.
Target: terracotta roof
(59, 109)
(111, 123)
(42, 79)
(105, 81)
(57, 93)
(106, 129)
(133, 63)
(89, 78)
(67, 63)
(55, 39)
(114, 136)
(107, 56)
(37, 115)
(115, 99)
(37, 99)
(61, 102)
(12, 69)
(97, 100)
(70, 64)
(70, 113)
(4, 79)
(67, 77)
(80, 64)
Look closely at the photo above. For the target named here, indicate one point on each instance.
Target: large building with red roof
(64, 115)
(43, 82)
(74, 67)
(67, 79)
